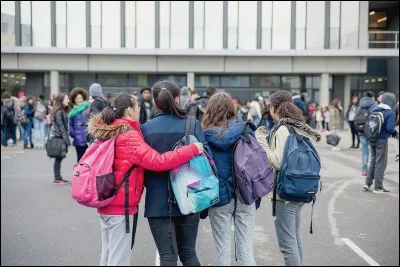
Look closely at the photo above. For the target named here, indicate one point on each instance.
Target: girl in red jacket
(121, 119)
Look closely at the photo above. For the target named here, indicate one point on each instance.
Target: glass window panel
(349, 24)
(373, 83)
(315, 25)
(316, 82)
(138, 80)
(83, 80)
(301, 25)
(112, 80)
(165, 20)
(178, 79)
(235, 81)
(198, 24)
(291, 82)
(233, 20)
(179, 24)
(95, 23)
(266, 21)
(266, 81)
(61, 23)
(41, 23)
(206, 81)
(111, 24)
(130, 24)
(309, 82)
(247, 24)
(26, 23)
(213, 24)
(145, 26)
(7, 23)
(76, 24)
(355, 82)
(335, 25)
(281, 25)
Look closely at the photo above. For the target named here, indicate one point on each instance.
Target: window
(266, 81)
(26, 34)
(61, 23)
(41, 23)
(113, 80)
(213, 24)
(315, 25)
(138, 80)
(111, 24)
(179, 24)
(349, 24)
(198, 24)
(95, 23)
(207, 81)
(374, 83)
(281, 23)
(83, 80)
(180, 80)
(165, 11)
(7, 23)
(145, 26)
(266, 21)
(130, 24)
(76, 24)
(301, 11)
(247, 24)
(291, 82)
(233, 20)
(355, 82)
(235, 81)
(335, 25)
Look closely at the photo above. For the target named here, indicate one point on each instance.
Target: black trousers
(57, 167)
(354, 133)
(80, 150)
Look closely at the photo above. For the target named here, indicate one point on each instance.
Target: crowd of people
(147, 127)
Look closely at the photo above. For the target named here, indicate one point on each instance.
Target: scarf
(302, 128)
(77, 109)
(384, 106)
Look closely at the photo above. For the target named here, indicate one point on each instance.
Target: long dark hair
(284, 107)
(164, 94)
(58, 103)
(116, 107)
(220, 109)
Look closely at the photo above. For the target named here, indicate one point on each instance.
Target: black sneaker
(380, 190)
(366, 187)
(396, 158)
(60, 181)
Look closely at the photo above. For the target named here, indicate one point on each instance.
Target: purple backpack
(253, 174)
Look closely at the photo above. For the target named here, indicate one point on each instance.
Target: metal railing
(384, 39)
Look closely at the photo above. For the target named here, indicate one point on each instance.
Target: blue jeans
(39, 126)
(9, 131)
(364, 153)
(287, 227)
(256, 120)
(25, 132)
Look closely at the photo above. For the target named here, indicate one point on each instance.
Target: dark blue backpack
(298, 179)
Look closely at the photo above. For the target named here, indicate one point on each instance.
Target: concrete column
(190, 80)
(54, 83)
(347, 92)
(324, 90)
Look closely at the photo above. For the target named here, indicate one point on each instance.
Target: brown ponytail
(284, 107)
(116, 108)
(164, 94)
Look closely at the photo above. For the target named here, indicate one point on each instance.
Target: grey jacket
(60, 126)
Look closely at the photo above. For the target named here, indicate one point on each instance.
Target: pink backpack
(93, 182)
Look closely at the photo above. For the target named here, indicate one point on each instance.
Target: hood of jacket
(224, 139)
(99, 130)
(302, 128)
(366, 102)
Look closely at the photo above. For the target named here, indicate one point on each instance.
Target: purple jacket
(78, 129)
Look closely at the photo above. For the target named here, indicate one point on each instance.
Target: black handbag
(56, 147)
(333, 139)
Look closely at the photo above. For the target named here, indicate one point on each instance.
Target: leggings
(354, 133)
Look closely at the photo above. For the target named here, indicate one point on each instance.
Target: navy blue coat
(162, 133)
(222, 143)
(78, 128)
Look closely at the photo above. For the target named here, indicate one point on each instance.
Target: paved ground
(42, 225)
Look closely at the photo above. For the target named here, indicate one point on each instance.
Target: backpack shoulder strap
(190, 125)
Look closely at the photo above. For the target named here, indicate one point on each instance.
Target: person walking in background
(146, 107)
(30, 112)
(319, 117)
(200, 104)
(9, 113)
(327, 118)
(174, 233)
(185, 97)
(48, 118)
(379, 97)
(222, 130)
(300, 104)
(24, 120)
(396, 110)
(97, 105)
(334, 112)
(254, 115)
(288, 213)
(121, 120)
(39, 121)
(379, 150)
(78, 120)
(350, 115)
(59, 129)
(368, 104)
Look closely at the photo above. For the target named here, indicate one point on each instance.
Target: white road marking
(360, 252)
(157, 258)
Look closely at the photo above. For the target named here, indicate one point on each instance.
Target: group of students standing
(150, 147)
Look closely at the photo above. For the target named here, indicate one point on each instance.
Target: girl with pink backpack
(120, 121)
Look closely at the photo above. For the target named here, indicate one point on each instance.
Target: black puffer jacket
(60, 126)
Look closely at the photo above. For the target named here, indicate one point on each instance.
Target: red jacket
(130, 148)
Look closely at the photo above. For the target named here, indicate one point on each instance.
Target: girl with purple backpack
(222, 130)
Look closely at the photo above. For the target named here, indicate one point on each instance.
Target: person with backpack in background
(30, 113)
(59, 129)
(198, 108)
(379, 127)
(291, 125)
(185, 97)
(327, 118)
(132, 156)
(350, 115)
(48, 118)
(173, 233)
(98, 104)
(24, 121)
(254, 115)
(9, 119)
(335, 122)
(145, 104)
(78, 120)
(298, 101)
(39, 122)
(222, 131)
(365, 109)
